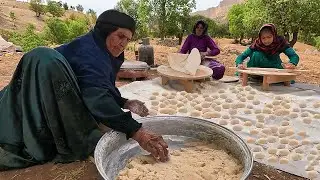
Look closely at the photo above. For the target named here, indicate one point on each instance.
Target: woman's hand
(137, 107)
(203, 54)
(152, 143)
(288, 66)
(241, 66)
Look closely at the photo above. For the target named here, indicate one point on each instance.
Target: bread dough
(198, 107)
(215, 96)
(262, 141)
(305, 114)
(173, 102)
(183, 110)
(200, 162)
(309, 168)
(285, 123)
(316, 116)
(307, 120)
(205, 110)
(318, 147)
(223, 96)
(296, 157)
(226, 106)
(168, 111)
(272, 159)
(259, 125)
(259, 155)
(255, 102)
(248, 88)
(287, 106)
(208, 99)
(233, 111)
(205, 105)
(254, 132)
(269, 106)
(281, 112)
(312, 174)
(316, 105)
(171, 97)
(302, 133)
(276, 102)
(237, 127)
(235, 121)
(282, 130)
(153, 98)
(225, 116)
(266, 130)
(256, 149)
(272, 139)
(217, 108)
(305, 142)
(257, 111)
(289, 132)
(162, 105)
(180, 105)
(223, 122)
(293, 142)
(250, 97)
(155, 93)
(209, 115)
(272, 151)
(284, 141)
(172, 107)
(154, 108)
(294, 115)
(251, 140)
(281, 146)
(274, 129)
(165, 94)
(243, 99)
(218, 102)
(228, 100)
(221, 91)
(248, 123)
(260, 117)
(315, 163)
(314, 152)
(234, 91)
(278, 98)
(247, 111)
(299, 151)
(183, 93)
(296, 110)
(195, 113)
(302, 105)
(284, 161)
(185, 101)
(267, 111)
(153, 112)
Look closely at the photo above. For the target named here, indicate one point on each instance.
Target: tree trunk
(180, 36)
(287, 36)
(294, 39)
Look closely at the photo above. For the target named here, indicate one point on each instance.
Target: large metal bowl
(113, 150)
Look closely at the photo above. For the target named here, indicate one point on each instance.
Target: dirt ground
(309, 59)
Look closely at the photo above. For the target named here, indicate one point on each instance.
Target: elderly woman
(200, 40)
(56, 99)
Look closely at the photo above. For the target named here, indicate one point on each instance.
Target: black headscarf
(205, 27)
(108, 22)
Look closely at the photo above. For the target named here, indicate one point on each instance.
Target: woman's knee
(218, 72)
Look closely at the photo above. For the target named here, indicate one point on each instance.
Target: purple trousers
(217, 68)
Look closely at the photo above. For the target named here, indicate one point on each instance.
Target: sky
(101, 5)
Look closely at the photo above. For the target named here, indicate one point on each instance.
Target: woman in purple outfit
(200, 40)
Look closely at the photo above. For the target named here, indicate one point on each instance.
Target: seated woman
(200, 40)
(266, 49)
(52, 108)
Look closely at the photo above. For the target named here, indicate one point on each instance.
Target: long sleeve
(248, 52)
(292, 55)
(186, 47)
(214, 49)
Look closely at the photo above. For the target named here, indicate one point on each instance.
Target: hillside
(220, 12)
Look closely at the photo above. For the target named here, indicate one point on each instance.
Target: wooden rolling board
(186, 80)
(262, 72)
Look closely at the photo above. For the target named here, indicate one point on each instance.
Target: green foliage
(65, 6)
(28, 39)
(79, 8)
(54, 8)
(5, 34)
(235, 17)
(317, 42)
(38, 7)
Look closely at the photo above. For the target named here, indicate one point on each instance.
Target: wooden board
(202, 73)
(260, 72)
(272, 69)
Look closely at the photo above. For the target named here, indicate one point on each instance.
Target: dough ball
(165, 94)
(251, 140)
(247, 111)
(309, 168)
(318, 147)
(282, 130)
(284, 161)
(311, 157)
(272, 139)
(232, 88)
(233, 111)
(171, 97)
(250, 97)
(299, 151)
(307, 120)
(287, 106)
(316, 116)
(284, 141)
(195, 113)
(314, 152)
(267, 111)
(259, 155)
(228, 100)
(272, 159)
(185, 100)
(221, 91)
(289, 132)
(183, 93)
(296, 157)
(241, 105)
(259, 125)
(281, 146)
(205, 105)
(223, 122)
(153, 112)
(302, 133)
(248, 88)
(305, 114)
(276, 102)
(223, 96)
(254, 132)
(256, 149)
(225, 116)
(296, 110)
(235, 121)
(216, 115)
(305, 142)
(253, 92)
(285, 123)
(258, 111)
(287, 100)
(269, 106)
(240, 88)
(181, 98)
(274, 129)
(168, 111)
(262, 141)
(237, 127)
(248, 123)
(154, 108)
(162, 105)
(278, 98)
(234, 91)
(173, 102)
(205, 110)
(189, 97)
(314, 163)
(193, 104)
(243, 99)
(316, 105)
(205, 95)
(312, 174)
(213, 105)
(194, 95)
(260, 117)
(209, 115)
(208, 99)
(155, 103)
(215, 96)
(282, 135)
(153, 97)
(272, 117)
(217, 108)
(249, 106)
(272, 151)
(266, 130)
(172, 107)
(183, 110)
(226, 106)
(293, 142)
(294, 115)
(180, 104)
(198, 107)
(218, 102)
(282, 112)
(302, 105)
(255, 102)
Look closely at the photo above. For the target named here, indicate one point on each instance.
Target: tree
(60, 3)
(13, 18)
(72, 8)
(65, 6)
(235, 19)
(92, 15)
(79, 8)
(37, 7)
(143, 18)
(54, 9)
